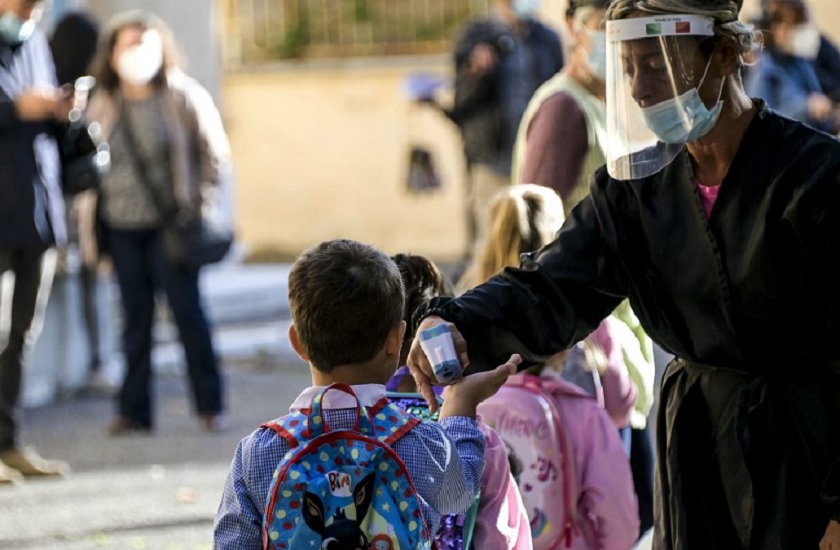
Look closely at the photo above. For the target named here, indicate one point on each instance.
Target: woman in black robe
(747, 297)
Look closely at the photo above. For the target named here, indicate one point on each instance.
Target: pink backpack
(552, 426)
(529, 423)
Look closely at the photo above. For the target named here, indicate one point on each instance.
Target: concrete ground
(157, 492)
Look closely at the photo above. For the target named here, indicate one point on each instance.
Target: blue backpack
(343, 489)
(455, 531)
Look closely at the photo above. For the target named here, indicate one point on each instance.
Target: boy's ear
(294, 338)
(393, 345)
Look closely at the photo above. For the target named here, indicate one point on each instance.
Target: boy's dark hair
(422, 281)
(345, 298)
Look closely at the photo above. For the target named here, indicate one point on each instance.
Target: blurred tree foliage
(352, 28)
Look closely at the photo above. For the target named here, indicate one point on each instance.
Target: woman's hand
(831, 539)
(419, 365)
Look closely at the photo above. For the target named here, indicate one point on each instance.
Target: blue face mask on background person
(684, 118)
(597, 58)
(14, 30)
(525, 8)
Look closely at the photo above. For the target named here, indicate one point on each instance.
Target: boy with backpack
(346, 469)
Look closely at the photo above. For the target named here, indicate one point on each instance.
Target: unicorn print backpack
(343, 489)
(527, 420)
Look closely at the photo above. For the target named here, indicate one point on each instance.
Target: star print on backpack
(343, 489)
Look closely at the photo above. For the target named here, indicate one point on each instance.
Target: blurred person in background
(784, 74)
(560, 145)
(169, 151)
(73, 44)
(32, 218)
(826, 62)
(561, 138)
(499, 62)
(827, 65)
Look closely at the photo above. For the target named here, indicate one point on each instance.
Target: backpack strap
(546, 388)
(317, 423)
(282, 432)
(410, 424)
(390, 416)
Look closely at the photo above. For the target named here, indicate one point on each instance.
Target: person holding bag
(169, 151)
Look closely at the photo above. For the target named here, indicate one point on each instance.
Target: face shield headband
(653, 103)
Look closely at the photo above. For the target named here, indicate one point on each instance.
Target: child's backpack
(527, 420)
(455, 531)
(343, 489)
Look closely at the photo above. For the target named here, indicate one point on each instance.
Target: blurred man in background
(31, 210)
(500, 61)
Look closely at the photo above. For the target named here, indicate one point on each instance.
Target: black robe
(749, 303)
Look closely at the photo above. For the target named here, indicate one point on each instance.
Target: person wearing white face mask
(825, 55)
(169, 152)
(728, 248)
(785, 73)
(561, 137)
(32, 217)
(561, 142)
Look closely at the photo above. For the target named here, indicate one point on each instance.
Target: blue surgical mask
(14, 30)
(597, 58)
(685, 118)
(525, 8)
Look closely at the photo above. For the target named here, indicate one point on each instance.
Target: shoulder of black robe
(720, 291)
(715, 291)
(557, 297)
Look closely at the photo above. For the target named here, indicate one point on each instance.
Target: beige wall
(322, 153)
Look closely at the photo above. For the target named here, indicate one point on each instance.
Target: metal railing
(264, 30)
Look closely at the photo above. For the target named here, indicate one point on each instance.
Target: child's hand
(462, 398)
(419, 365)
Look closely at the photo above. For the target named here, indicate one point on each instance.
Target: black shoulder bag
(85, 156)
(189, 242)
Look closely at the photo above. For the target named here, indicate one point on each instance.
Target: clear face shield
(654, 70)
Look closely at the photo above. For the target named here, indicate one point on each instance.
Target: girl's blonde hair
(523, 218)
